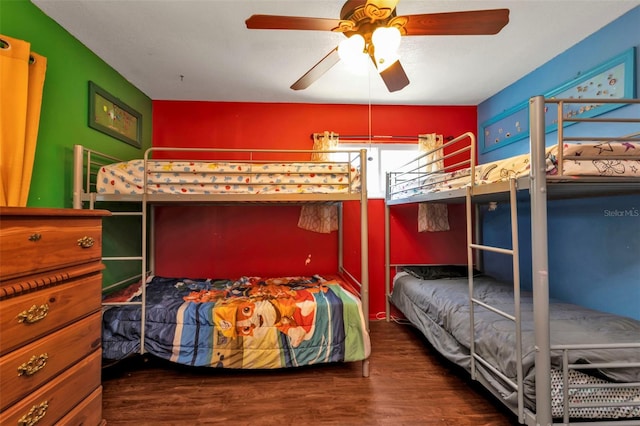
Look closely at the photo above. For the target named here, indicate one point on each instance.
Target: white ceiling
(202, 50)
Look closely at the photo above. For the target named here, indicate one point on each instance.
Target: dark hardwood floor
(409, 384)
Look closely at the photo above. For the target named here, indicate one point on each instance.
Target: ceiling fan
(363, 17)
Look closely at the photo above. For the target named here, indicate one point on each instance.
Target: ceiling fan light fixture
(352, 52)
(361, 18)
(351, 47)
(386, 40)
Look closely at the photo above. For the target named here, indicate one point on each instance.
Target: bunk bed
(549, 362)
(244, 322)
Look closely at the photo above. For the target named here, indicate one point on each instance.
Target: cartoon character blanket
(250, 323)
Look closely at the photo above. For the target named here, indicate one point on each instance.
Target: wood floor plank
(409, 384)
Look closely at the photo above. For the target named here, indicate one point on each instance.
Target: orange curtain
(22, 80)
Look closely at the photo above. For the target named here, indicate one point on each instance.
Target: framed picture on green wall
(113, 117)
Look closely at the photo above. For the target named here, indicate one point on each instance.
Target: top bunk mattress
(218, 177)
(601, 159)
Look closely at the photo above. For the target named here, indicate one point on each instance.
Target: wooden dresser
(50, 316)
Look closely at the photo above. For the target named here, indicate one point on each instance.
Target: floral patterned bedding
(189, 177)
(249, 323)
(514, 167)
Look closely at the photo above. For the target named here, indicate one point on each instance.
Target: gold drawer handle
(34, 314)
(86, 242)
(34, 415)
(35, 237)
(35, 364)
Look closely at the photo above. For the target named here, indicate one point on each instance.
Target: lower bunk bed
(599, 351)
(248, 323)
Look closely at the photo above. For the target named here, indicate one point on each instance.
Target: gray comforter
(440, 309)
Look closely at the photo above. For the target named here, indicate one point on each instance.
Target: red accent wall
(229, 241)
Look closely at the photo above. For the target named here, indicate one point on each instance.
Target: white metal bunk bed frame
(536, 182)
(86, 163)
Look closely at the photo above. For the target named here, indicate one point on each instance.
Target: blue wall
(594, 244)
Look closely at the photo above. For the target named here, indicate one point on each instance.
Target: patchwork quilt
(249, 323)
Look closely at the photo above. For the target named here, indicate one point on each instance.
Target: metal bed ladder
(515, 317)
(86, 164)
(142, 258)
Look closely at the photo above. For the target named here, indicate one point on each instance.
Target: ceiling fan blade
(274, 22)
(317, 70)
(472, 22)
(394, 77)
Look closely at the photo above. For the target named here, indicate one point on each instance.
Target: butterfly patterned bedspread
(250, 323)
(604, 159)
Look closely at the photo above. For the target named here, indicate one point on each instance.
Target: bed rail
(569, 388)
(566, 118)
(86, 163)
(429, 172)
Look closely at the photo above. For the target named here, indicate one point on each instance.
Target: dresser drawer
(24, 370)
(30, 245)
(58, 397)
(28, 316)
(87, 413)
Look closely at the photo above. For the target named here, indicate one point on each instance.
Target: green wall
(64, 116)
(64, 121)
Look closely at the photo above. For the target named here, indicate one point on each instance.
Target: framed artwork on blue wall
(614, 79)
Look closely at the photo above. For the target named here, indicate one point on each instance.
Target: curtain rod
(341, 136)
(374, 137)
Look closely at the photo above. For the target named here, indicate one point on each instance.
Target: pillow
(436, 272)
(125, 294)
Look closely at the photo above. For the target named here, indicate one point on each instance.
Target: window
(382, 157)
